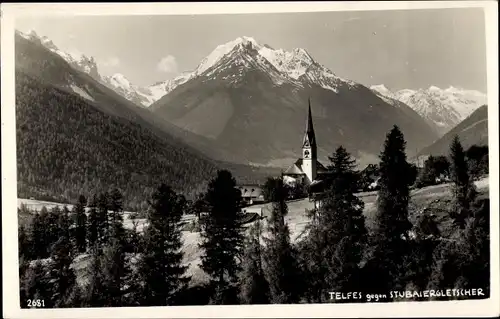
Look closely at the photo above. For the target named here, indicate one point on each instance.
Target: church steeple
(309, 151)
(309, 136)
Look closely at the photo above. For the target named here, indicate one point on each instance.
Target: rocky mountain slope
(471, 131)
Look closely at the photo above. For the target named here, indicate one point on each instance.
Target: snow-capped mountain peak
(443, 108)
(80, 62)
(221, 50)
(120, 80)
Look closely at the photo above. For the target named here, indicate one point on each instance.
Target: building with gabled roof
(306, 169)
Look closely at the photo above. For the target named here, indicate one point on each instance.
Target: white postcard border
(400, 309)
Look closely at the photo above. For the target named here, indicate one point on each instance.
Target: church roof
(296, 168)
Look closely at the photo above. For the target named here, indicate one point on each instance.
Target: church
(307, 170)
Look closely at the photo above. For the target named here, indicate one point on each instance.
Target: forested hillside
(66, 147)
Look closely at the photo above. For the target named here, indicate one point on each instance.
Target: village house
(251, 194)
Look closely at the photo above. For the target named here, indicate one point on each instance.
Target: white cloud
(168, 64)
(112, 61)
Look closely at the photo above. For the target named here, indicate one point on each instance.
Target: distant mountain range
(252, 99)
(75, 135)
(228, 106)
(142, 96)
(443, 108)
(471, 131)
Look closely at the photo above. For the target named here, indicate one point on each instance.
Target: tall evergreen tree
(281, 267)
(338, 234)
(93, 222)
(422, 248)
(39, 235)
(61, 276)
(254, 286)
(102, 217)
(343, 224)
(81, 224)
(25, 249)
(35, 284)
(114, 272)
(463, 188)
(96, 290)
(161, 265)
(65, 225)
(392, 225)
(222, 237)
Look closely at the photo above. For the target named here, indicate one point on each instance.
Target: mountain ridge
(244, 87)
(473, 130)
(443, 108)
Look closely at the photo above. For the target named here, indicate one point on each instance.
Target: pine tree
(476, 247)
(114, 272)
(342, 224)
(62, 278)
(39, 236)
(81, 224)
(281, 267)
(464, 191)
(65, 225)
(337, 233)
(96, 291)
(35, 285)
(102, 218)
(222, 237)
(53, 225)
(161, 264)
(93, 223)
(392, 225)
(422, 248)
(254, 286)
(25, 249)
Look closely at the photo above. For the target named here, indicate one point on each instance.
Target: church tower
(309, 150)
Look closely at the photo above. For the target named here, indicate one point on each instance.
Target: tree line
(260, 264)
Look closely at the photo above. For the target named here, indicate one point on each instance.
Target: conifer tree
(281, 267)
(25, 249)
(96, 290)
(114, 272)
(222, 237)
(81, 225)
(62, 278)
(464, 191)
(102, 217)
(93, 223)
(35, 284)
(342, 222)
(422, 248)
(476, 247)
(39, 236)
(392, 225)
(53, 225)
(254, 286)
(161, 265)
(337, 234)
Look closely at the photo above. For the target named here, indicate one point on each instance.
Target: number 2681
(36, 303)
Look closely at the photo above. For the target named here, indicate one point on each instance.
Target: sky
(403, 49)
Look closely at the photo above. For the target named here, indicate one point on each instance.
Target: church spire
(309, 137)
